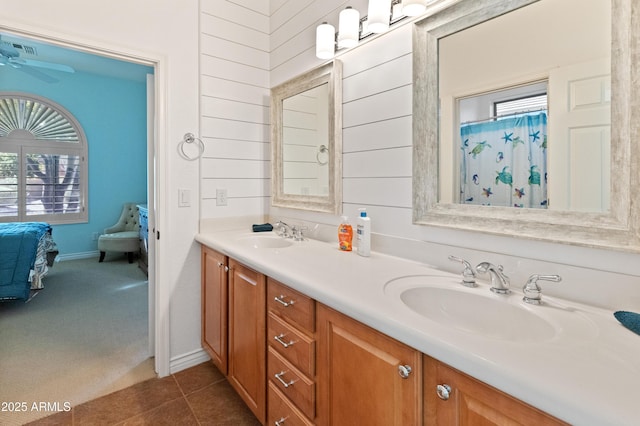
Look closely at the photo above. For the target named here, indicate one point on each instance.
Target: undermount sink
(478, 311)
(265, 241)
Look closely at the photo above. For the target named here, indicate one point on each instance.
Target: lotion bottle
(364, 233)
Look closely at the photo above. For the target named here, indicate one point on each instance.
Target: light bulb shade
(414, 7)
(348, 28)
(378, 15)
(325, 41)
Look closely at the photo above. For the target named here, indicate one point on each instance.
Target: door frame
(159, 338)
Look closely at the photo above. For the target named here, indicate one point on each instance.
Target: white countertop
(588, 378)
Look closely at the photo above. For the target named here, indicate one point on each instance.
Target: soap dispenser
(364, 233)
(345, 235)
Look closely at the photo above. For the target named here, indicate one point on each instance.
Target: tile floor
(199, 395)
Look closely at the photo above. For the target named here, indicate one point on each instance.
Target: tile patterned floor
(199, 395)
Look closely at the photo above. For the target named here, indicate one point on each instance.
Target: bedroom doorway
(151, 149)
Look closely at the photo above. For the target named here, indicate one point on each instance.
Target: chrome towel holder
(188, 139)
(322, 149)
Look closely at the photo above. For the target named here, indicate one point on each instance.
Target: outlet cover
(221, 197)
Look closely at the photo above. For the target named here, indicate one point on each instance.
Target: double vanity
(308, 334)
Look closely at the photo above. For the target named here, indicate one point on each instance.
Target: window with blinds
(522, 105)
(43, 171)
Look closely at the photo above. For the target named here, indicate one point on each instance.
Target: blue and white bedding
(26, 252)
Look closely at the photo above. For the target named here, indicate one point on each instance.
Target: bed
(27, 250)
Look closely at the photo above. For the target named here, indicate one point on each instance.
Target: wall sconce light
(352, 28)
(325, 41)
(414, 7)
(378, 15)
(348, 28)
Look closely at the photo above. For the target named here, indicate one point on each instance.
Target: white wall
(165, 32)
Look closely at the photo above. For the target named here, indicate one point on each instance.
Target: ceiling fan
(10, 56)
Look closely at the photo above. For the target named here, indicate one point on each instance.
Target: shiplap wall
(247, 48)
(234, 106)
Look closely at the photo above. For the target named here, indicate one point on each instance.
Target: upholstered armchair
(124, 236)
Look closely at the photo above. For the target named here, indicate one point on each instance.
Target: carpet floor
(83, 336)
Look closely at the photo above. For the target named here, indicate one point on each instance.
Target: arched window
(43, 162)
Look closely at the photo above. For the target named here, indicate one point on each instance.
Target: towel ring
(190, 138)
(322, 149)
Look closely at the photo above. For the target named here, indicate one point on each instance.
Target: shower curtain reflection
(504, 162)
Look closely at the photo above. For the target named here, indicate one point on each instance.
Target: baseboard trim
(76, 256)
(190, 359)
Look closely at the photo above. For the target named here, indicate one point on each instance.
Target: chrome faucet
(282, 229)
(499, 281)
(533, 292)
(468, 274)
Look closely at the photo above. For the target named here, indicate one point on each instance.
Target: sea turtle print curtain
(504, 162)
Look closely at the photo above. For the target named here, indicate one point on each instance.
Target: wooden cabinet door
(471, 402)
(358, 376)
(247, 336)
(214, 307)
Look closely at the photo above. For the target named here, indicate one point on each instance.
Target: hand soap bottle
(364, 233)
(345, 235)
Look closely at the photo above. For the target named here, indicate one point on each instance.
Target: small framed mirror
(562, 169)
(306, 136)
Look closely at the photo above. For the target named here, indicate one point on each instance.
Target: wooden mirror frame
(330, 73)
(618, 228)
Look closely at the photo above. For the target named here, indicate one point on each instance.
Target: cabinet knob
(404, 371)
(443, 391)
(280, 422)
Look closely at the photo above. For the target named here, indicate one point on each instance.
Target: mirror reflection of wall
(305, 135)
(540, 42)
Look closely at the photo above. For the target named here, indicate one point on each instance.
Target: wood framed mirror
(306, 136)
(614, 226)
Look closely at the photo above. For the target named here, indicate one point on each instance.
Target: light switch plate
(184, 198)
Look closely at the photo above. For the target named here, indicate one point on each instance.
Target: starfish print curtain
(504, 162)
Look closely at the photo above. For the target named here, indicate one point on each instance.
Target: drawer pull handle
(285, 384)
(443, 391)
(282, 342)
(280, 422)
(280, 299)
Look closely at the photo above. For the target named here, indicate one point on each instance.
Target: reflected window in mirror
(502, 142)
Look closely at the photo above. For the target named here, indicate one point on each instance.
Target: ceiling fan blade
(42, 64)
(37, 74)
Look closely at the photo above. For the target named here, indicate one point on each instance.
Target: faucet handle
(296, 232)
(533, 292)
(468, 274)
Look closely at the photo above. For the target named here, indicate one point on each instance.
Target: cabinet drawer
(282, 411)
(289, 304)
(295, 346)
(292, 383)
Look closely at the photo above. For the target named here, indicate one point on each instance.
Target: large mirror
(525, 118)
(306, 135)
